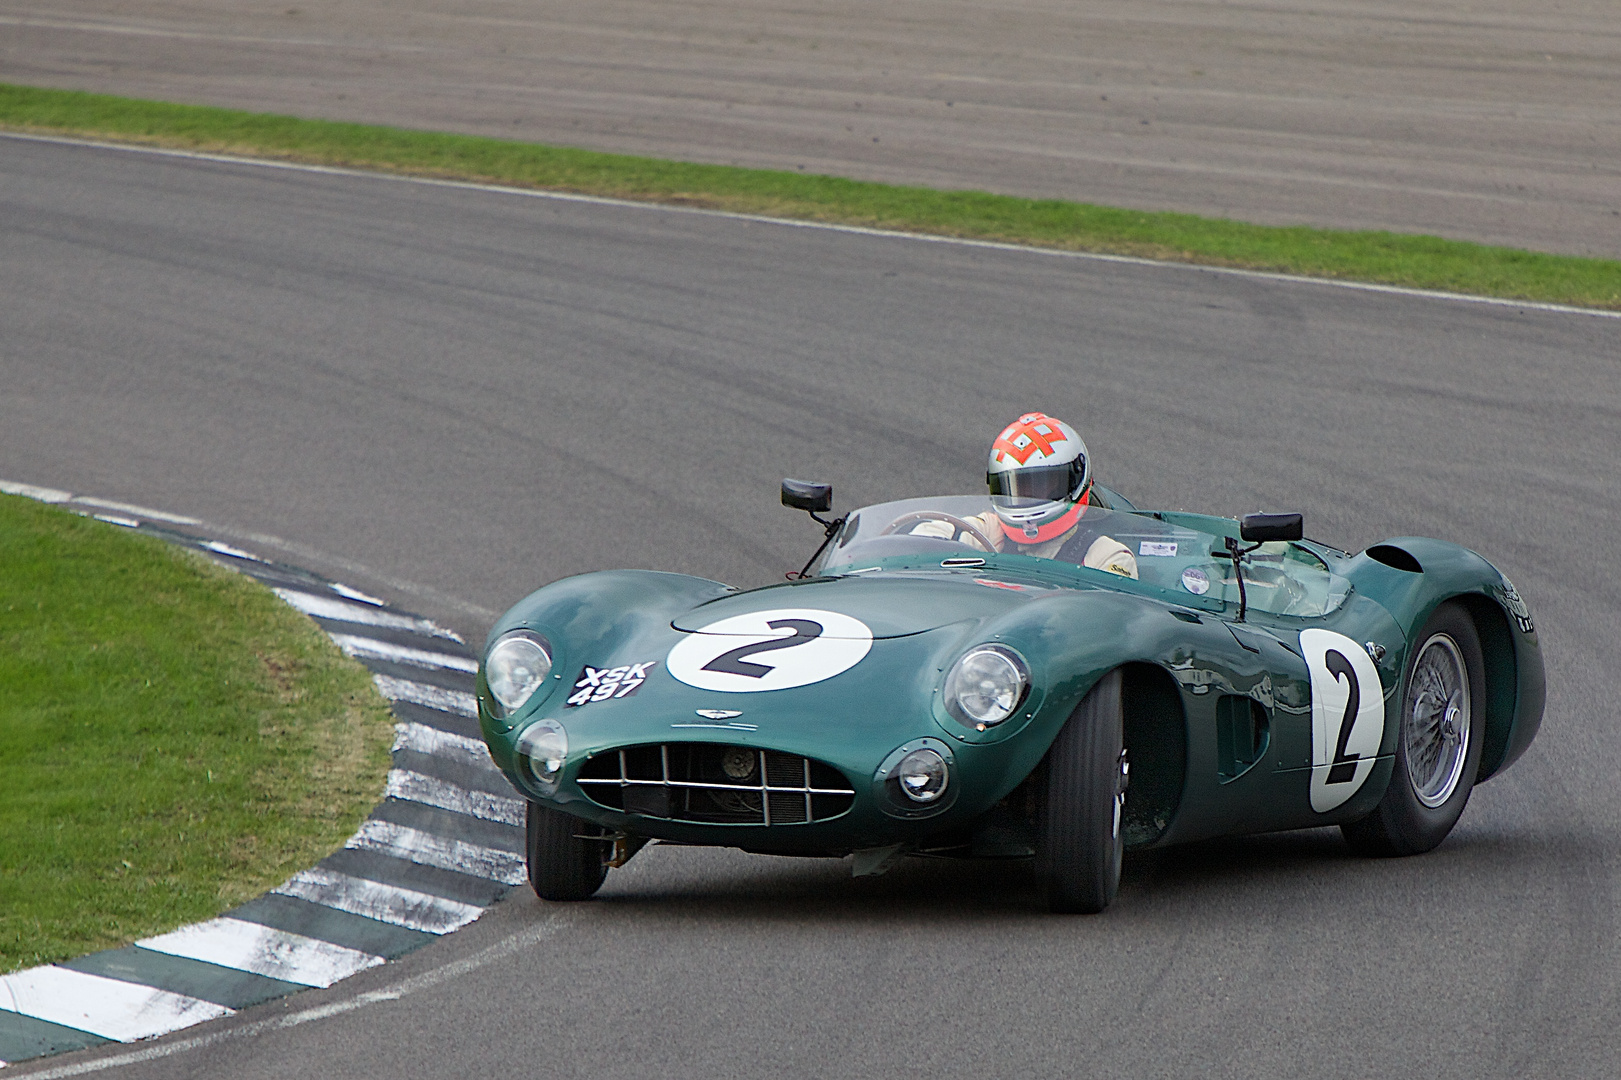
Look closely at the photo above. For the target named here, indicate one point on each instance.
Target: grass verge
(173, 738)
(1390, 258)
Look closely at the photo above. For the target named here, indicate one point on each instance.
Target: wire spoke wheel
(1438, 721)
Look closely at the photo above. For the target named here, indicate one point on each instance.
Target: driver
(1040, 477)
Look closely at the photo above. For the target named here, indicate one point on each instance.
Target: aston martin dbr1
(1163, 678)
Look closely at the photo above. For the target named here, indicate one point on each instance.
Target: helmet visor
(1020, 488)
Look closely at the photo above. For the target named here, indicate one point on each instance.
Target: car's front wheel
(564, 859)
(1438, 749)
(1078, 844)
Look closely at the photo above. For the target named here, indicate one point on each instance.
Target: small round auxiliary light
(922, 775)
(738, 763)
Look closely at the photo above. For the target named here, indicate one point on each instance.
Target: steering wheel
(958, 525)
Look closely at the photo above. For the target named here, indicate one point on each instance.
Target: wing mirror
(1255, 528)
(813, 498)
(808, 496)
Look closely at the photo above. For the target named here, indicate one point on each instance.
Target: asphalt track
(1492, 120)
(479, 392)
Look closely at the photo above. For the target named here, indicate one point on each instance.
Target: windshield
(1162, 552)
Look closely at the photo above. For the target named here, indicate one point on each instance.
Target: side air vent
(1395, 558)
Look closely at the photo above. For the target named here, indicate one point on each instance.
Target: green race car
(914, 691)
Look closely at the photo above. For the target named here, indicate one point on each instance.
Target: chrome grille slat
(715, 783)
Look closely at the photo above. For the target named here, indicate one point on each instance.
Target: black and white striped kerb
(445, 843)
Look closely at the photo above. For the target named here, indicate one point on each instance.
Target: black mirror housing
(807, 495)
(1264, 528)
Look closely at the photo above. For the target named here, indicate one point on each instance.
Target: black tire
(1426, 796)
(563, 862)
(1078, 844)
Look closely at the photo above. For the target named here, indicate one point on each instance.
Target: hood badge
(719, 714)
(719, 718)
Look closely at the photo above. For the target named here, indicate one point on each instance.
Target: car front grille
(715, 784)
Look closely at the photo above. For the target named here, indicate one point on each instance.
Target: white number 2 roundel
(1347, 715)
(770, 650)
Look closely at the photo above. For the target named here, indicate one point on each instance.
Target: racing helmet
(1040, 477)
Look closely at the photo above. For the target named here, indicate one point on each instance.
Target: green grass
(173, 738)
(1398, 259)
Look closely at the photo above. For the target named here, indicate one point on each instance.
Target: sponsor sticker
(1196, 581)
(600, 684)
(1157, 547)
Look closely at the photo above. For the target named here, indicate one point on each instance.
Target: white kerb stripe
(327, 607)
(354, 594)
(263, 950)
(430, 740)
(431, 791)
(447, 853)
(106, 1007)
(138, 511)
(372, 649)
(434, 697)
(386, 903)
(29, 491)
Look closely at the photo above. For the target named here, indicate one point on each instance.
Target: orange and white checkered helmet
(1040, 477)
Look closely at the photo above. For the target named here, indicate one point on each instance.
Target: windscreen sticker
(1157, 547)
(600, 684)
(1347, 714)
(770, 650)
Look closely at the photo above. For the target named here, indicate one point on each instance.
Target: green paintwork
(1193, 672)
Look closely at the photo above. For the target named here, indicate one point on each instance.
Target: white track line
(138, 511)
(433, 697)
(822, 226)
(373, 649)
(29, 491)
(355, 594)
(446, 853)
(431, 791)
(106, 1007)
(275, 954)
(375, 900)
(430, 740)
(325, 607)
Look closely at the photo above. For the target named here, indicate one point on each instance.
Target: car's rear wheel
(564, 859)
(1078, 844)
(1438, 748)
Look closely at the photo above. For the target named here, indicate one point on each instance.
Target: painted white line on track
(114, 519)
(326, 607)
(523, 939)
(429, 849)
(355, 594)
(276, 954)
(375, 900)
(220, 547)
(433, 697)
(822, 226)
(373, 649)
(29, 491)
(106, 1007)
(431, 791)
(430, 740)
(138, 511)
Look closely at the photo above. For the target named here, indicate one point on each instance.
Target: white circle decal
(769, 650)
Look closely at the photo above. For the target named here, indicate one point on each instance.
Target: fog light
(922, 775)
(543, 748)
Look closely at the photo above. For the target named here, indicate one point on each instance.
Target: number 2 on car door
(1348, 716)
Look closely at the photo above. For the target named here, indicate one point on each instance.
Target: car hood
(893, 605)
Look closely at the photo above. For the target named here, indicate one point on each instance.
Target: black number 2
(732, 663)
(1343, 770)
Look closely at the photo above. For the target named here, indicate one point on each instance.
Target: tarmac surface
(479, 392)
(1491, 120)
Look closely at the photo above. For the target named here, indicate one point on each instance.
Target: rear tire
(1078, 845)
(563, 863)
(1443, 724)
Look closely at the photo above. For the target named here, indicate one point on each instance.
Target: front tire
(1078, 845)
(1443, 722)
(564, 863)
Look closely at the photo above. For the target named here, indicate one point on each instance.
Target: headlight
(518, 665)
(986, 686)
(922, 775)
(542, 750)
